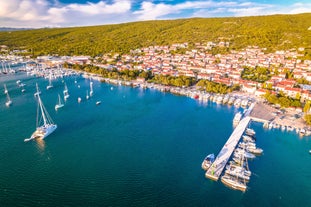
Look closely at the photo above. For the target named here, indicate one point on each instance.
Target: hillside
(272, 32)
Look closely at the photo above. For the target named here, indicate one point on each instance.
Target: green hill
(272, 32)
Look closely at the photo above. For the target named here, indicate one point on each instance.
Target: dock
(225, 153)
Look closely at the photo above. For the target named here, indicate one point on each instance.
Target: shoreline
(272, 118)
(284, 119)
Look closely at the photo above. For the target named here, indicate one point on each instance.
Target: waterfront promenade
(221, 160)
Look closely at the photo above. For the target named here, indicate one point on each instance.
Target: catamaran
(43, 129)
(60, 103)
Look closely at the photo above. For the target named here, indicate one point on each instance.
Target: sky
(68, 13)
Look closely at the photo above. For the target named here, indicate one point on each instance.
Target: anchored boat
(43, 129)
(60, 103)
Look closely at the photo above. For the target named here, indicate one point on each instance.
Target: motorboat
(208, 161)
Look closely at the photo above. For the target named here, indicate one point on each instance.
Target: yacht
(45, 124)
(237, 102)
(237, 173)
(233, 182)
(244, 103)
(59, 103)
(5, 89)
(8, 101)
(91, 88)
(231, 100)
(87, 95)
(250, 132)
(66, 94)
(247, 138)
(226, 99)
(50, 84)
(237, 118)
(255, 151)
(207, 162)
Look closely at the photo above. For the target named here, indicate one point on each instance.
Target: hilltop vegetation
(272, 32)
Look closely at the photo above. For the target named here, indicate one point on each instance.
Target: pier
(221, 160)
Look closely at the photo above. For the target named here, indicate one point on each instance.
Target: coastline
(273, 118)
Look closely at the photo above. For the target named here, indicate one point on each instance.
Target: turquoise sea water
(138, 148)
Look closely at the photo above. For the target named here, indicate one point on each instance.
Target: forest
(272, 32)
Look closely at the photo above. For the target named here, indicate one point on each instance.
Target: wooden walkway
(221, 160)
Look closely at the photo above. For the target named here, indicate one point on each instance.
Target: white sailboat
(91, 88)
(66, 94)
(38, 92)
(45, 125)
(8, 101)
(50, 83)
(59, 103)
(87, 94)
(5, 89)
(23, 89)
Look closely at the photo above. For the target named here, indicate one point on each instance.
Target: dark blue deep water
(138, 148)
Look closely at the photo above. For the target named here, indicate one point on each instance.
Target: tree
(306, 108)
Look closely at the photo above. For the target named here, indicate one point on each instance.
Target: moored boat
(47, 126)
(234, 183)
(207, 162)
(255, 151)
(9, 101)
(237, 118)
(250, 132)
(60, 103)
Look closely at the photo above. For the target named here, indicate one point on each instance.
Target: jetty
(225, 153)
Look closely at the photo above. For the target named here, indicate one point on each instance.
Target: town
(198, 63)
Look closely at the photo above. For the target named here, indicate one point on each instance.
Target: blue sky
(67, 13)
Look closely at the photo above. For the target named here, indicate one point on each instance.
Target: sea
(139, 147)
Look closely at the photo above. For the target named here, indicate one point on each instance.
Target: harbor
(237, 172)
(115, 156)
(217, 167)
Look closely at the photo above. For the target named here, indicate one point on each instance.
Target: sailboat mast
(42, 110)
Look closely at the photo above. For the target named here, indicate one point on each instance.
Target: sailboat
(91, 88)
(66, 94)
(23, 89)
(50, 83)
(5, 89)
(60, 103)
(9, 101)
(87, 94)
(43, 129)
(38, 92)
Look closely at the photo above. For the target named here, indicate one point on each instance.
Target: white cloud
(40, 13)
(151, 11)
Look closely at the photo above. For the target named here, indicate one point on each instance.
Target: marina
(215, 171)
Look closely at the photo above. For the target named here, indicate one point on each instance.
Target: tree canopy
(271, 32)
